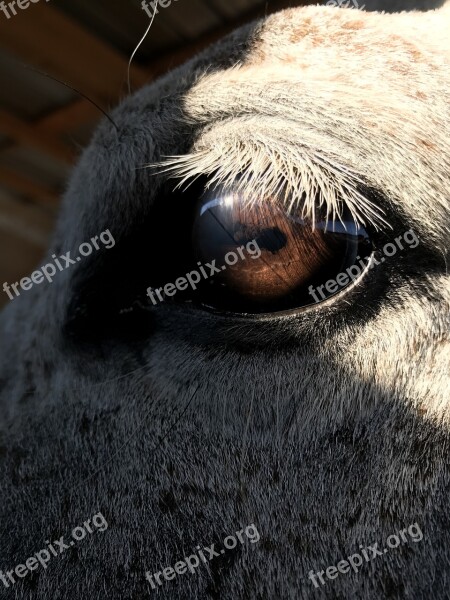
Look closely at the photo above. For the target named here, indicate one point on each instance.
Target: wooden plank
(28, 187)
(122, 24)
(27, 134)
(68, 118)
(28, 221)
(190, 18)
(43, 36)
(227, 8)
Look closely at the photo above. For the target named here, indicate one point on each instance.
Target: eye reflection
(294, 254)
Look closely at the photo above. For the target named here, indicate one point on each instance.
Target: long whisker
(139, 45)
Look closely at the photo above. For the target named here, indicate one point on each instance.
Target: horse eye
(270, 257)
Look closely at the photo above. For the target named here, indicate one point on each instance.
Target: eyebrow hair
(257, 158)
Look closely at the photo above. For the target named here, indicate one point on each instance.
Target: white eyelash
(297, 176)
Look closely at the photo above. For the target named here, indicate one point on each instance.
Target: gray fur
(328, 429)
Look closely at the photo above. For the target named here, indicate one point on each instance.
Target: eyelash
(298, 176)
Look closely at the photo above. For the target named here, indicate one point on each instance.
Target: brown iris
(280, 254)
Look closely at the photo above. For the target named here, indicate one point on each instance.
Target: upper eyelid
(259, 157)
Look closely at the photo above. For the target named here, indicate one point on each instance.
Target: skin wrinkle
(329, 429)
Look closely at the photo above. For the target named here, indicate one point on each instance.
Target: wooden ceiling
(43, 124)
